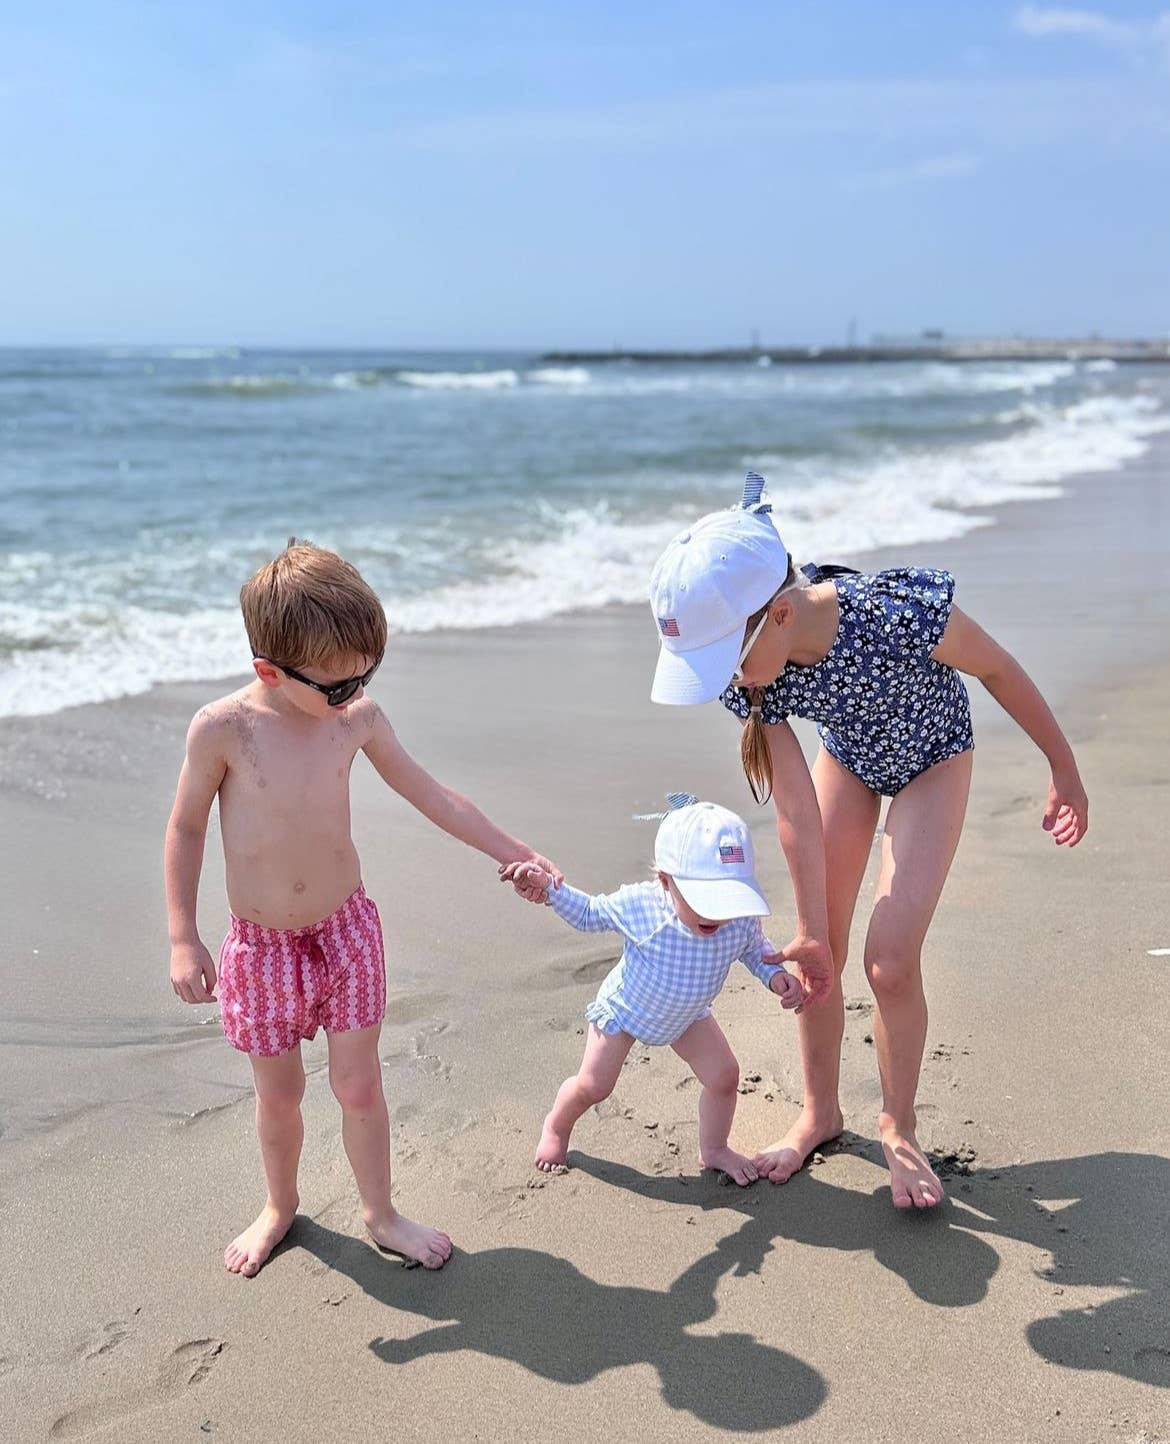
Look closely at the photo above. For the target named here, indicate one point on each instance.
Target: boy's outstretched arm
(968, 648)
(444, 807)
(204, 768)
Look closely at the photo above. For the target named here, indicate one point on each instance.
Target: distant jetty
(1015, 349)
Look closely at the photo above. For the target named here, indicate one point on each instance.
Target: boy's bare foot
(742, 1170)
(789, 1156)
(248, 1252)
(913, 1183)
(426, 1246)
(552, 1150)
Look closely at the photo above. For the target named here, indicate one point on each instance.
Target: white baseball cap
(708, 852)
(704, 587)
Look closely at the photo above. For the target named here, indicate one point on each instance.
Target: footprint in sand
(186, 1366)
(107, 1339)
(594, 971)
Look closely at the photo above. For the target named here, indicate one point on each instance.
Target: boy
(305, 946)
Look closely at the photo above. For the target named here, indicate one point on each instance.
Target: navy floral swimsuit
(884, 709)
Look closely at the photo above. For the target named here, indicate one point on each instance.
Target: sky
(431, 174)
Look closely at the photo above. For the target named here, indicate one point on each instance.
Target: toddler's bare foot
(913, 1183)
(552, 1150)
(787, 1157)
(735, 1165)
(426, 1246)
(248, 1253)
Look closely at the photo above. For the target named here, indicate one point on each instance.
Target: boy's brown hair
(309, 607)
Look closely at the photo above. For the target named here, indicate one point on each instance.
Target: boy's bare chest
(289, 771)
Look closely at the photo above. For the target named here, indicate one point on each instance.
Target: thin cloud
(937, 167)
(968, 115)
(1043, 20)
(1138, 37)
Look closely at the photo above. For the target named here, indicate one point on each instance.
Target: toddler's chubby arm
(443, 806)
(762, 959)
(968, 648)
(204, 768)
(586, 913)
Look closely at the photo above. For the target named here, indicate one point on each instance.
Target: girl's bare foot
(789, 1156)
(913, 1183)
(552, 1150)
(742, 1170)
(426, 1246)
(248, 1252)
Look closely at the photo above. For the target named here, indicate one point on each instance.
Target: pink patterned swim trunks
(279, 985)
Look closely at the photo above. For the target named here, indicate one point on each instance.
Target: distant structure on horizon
(928, 345)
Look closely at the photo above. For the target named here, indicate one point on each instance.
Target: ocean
(139, 488)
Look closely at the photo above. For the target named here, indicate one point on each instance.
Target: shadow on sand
(541, 1312)
(1099, 1221)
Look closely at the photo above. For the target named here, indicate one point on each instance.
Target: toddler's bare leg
(592, 1083)
(355, 1075)
(705, 1048)
(280, 1086)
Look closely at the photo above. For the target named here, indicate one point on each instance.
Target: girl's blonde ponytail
(754, 749)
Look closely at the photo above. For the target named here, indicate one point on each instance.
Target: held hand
(192, 973)
(814, 963)
(787, 989)
(533, 891)
(529, 880)
(1067, 815)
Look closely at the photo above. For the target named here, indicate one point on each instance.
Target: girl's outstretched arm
(968, 648)
(802, 838)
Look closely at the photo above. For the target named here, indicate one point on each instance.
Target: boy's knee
(357, 1091)
(284, 1098)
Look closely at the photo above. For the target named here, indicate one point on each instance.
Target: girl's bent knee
(894, 979)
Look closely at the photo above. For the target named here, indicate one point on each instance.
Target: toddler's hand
(529, 879)
(192, 973)
(814, 963)
(787, 989)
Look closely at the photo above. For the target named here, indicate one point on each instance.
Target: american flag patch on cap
(731, 854)
(668, 626)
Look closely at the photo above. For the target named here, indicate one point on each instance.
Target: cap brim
(722, 898)
(683, 679)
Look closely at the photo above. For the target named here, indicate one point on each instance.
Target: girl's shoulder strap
(826, 571)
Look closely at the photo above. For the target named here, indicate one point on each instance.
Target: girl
(682, 933)
(875, 661)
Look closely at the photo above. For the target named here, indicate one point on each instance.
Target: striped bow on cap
(753, 494)
(674, 800)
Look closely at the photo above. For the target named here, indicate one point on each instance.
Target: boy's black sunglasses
(337, 694)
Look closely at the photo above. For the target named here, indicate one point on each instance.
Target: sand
(631, 1297)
